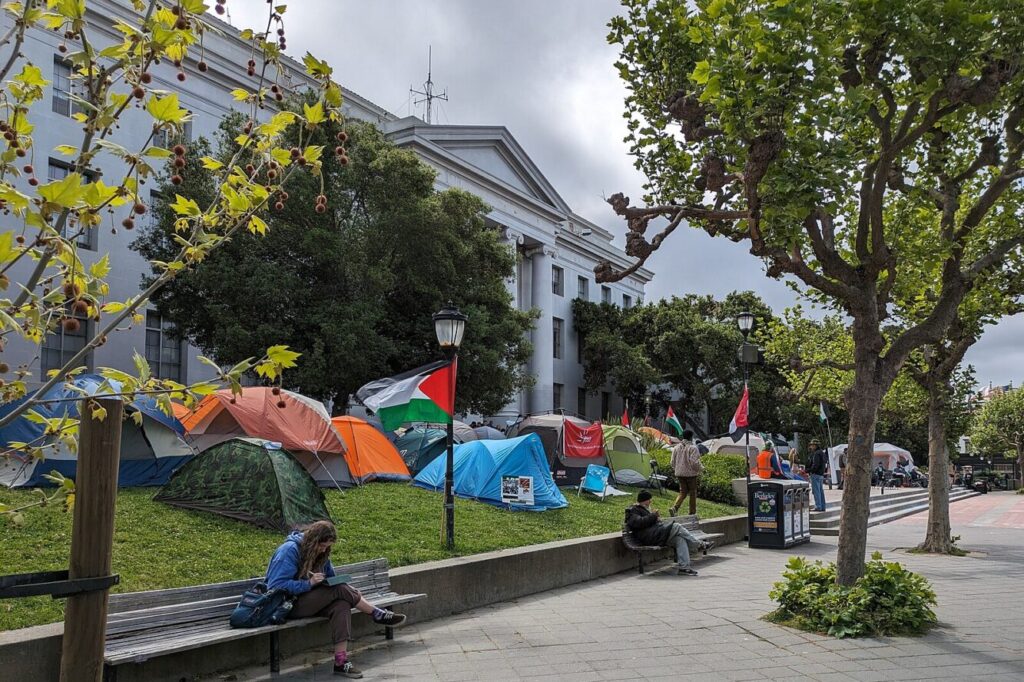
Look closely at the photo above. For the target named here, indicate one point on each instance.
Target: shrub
(716, 481)
(887, 600)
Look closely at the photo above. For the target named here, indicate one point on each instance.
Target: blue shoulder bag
(260, 606)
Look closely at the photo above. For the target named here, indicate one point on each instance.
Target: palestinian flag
(424, 394)
(625, 416)
(738, 425)
(672, 420)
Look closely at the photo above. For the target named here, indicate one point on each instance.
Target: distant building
(556, 248)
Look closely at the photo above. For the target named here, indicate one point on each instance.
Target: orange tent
(655, 433)
(369, 454)
(180, 411)
(300, 424)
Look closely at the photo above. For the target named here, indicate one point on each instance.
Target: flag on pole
(738, 425)
(424, 394)
(625, 415)
(822, 412)
(673, 421)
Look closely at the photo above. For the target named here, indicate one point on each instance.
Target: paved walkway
(667, 627)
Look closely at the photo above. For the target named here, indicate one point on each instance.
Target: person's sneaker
(672, 511)
(391, 619)
(685, 571)
(348, 670)
(705, 545)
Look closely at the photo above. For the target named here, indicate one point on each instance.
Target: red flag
(579, 441)
(738, 425)
(625, 416)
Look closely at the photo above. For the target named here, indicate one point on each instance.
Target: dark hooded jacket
(647, 528)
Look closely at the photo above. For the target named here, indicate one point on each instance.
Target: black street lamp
(748, 354)
(449, 325)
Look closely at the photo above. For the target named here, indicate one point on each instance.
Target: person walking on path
(301, 567)
(648, 528)
(817, 465)
(842, 468)
(687, 467)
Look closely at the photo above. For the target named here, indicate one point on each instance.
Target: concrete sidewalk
(667, 627)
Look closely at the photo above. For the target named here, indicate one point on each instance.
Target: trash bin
(775, 513)
(806, 508)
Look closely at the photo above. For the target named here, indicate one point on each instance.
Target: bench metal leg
(389, 633)
(275, 653)
(640, 561)
(109, 673)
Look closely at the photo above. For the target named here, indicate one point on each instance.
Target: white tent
(886, 454)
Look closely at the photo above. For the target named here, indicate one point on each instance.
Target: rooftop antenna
(427, 92)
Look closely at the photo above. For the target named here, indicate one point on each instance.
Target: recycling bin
(775, 513)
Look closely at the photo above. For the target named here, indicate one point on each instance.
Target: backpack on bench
(260, 606)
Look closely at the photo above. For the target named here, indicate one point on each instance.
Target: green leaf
(314, 114)
(101, 268)
(282, 356)
(701, 73)
(64, 193)
(165, 109)
(211, 163)
(183, 206)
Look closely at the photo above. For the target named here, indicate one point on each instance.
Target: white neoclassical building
(556, 248)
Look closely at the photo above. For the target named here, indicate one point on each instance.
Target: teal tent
(492, 470)
(420, 446)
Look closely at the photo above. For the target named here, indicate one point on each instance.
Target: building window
(63, 86)
(162, 350)
(60, 345)
(557, 281)
(606, 294)
(556, 331)
(58, 170)
(557, 396)
(583, 288)
(606, 405)
(627, 301)
(581, 402)
(167, 138)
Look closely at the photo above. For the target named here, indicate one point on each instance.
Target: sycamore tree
(46, 280)
(351, 287)
(804, 129)
(998, 427)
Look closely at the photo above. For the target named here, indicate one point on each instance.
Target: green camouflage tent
(251, 480)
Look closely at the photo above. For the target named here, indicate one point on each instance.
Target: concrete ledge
(452, 586)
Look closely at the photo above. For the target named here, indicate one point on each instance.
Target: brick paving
(667, 627)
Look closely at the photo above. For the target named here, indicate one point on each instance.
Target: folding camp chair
(595, 481)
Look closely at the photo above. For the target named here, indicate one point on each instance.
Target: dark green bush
(887, 600)
(715, 483)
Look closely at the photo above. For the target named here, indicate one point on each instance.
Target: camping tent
(568, 467)
(488, 433)
(249, 479)
(886, 454)
(419, 446)
(150, 450)
(369, 454)
(726, 446)
(488, 470)
(629, 463)
(463, 432)
(659, 436)
(302, 426)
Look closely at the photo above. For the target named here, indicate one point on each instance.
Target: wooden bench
(144, 625)
(690, 523)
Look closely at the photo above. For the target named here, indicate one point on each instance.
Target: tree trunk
(862, 401)
(937, 537)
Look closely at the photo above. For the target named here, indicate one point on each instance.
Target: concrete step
(889, 512)
(876, 502)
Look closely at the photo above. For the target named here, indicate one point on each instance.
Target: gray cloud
(545, 71)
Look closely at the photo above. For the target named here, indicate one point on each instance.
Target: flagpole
(831, 447)
(746, 433)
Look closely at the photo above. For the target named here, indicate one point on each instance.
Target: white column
(515, 240)
(542, 361)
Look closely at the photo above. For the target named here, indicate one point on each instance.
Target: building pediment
(489, 150)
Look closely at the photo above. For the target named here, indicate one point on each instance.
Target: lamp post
(449, 325)
(745, 321)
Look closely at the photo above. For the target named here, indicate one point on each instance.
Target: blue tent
(150, 452)
(481, 465)
(420, 445)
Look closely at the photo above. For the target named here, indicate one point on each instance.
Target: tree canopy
(353, 288)
(998, 427)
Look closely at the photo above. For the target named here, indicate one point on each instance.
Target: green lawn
(157, 546)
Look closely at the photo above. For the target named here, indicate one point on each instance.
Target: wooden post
(92, 538)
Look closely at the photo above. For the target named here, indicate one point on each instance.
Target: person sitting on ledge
(301, 567)
(649, 529)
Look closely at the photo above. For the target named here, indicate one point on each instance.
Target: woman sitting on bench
(301, 567)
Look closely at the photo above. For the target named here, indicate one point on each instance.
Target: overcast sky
(543, 69)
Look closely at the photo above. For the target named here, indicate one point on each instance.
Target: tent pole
(324, 467)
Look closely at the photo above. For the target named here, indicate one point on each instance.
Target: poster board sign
(765, 516)
(517, 489)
